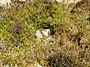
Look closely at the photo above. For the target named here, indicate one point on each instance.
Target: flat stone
(38, 35)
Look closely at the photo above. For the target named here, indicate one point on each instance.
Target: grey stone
(46, 32)
(38, 35)
(50, 39)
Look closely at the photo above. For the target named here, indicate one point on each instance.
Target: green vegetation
(19, 46)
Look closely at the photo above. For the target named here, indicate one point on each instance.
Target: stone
(50, 39)
(68, 1)
(39, 65)
(46, 32)
(22, 0)
(7, 65)
(38, 35)
(35, 65)
(5, 3)
(59, 0)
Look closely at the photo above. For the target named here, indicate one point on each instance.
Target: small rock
(16, 65)
(5, 3)
(59, 0)
(50, 39)
(35, 65)
(39, 65)
(38, 35)
(7, 65)
(22, 0)
(46, 32)
(68, 1)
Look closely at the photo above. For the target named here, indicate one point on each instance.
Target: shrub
(62, 60)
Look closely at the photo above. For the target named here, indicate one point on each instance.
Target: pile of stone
(45, 32)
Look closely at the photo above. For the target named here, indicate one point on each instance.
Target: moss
(18, 45)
